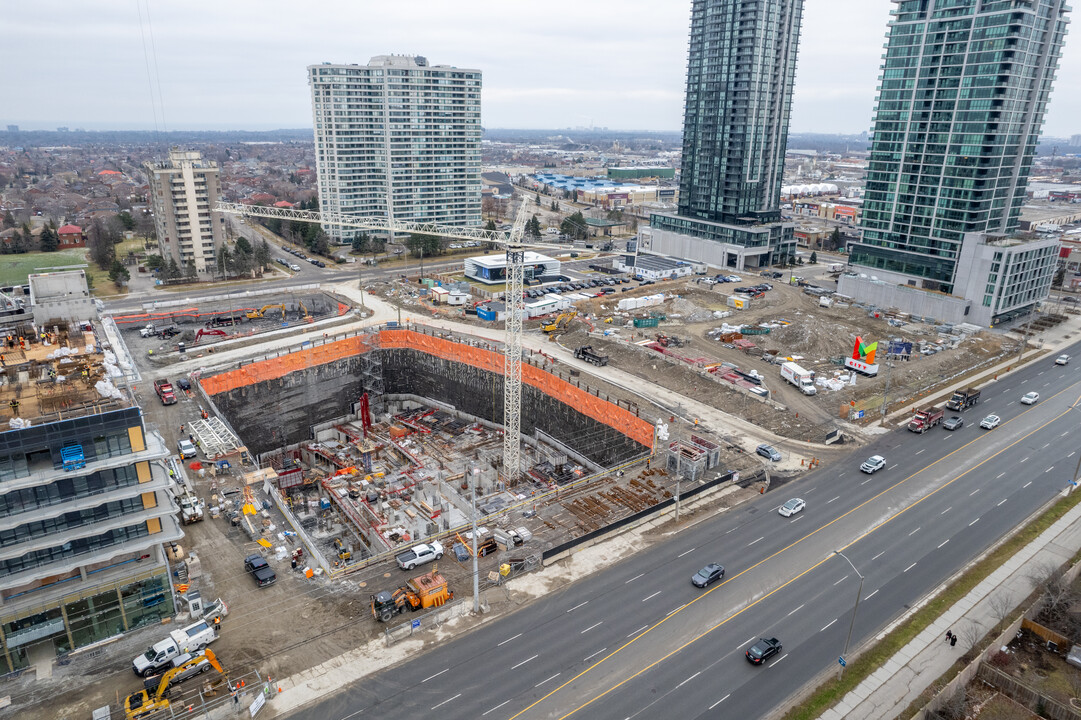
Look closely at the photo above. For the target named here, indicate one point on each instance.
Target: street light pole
(476, 571)
(859, 592)
(886, 393)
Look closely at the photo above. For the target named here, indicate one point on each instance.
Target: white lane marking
(754, 541)
(905, 570)
(685, 553)
(830, 623)
(795, 611)
(1001, 502)
(447, 701)
(495, 708)
(524, 662)
(544, 681)
(720, 701)
(1049, 469)
(920, 450)
(634, 578)
(891, 467)
(591, 656)
(1065, 434)
(1024, 381)
(779, 659)
(1046, 384)
(1025, 460)
(1072, 454)
(840, 581)
(434, 676)
(692, 677)
(732, 530)
(1046, 446)
(673, 612)
(865, 481)
(506, 641)
(946, 510)
(798, 517)
(943, 543)
(872, 594)
(914, 532)
(999, 475)
(578, 606)
(1026, 485)
(644, 627)
(973, 492)
(876, 557)
(591, 627)
(651, 596)
(973, 522)
(836, 498)
(740, 646)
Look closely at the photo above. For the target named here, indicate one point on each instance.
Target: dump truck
(193, 638)
(152, 697)
(925, 418)
(424, 591)
(586, 353)
(164, 389)
(798, 376)
(964, 399)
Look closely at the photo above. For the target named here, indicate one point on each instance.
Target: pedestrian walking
(953, 640)
(181, 429)
(949, 635)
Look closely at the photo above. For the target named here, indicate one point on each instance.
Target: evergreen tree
(189, 270)
(119, 274)
(49, 240)
(172, 270)
(361, 241)
(491, 226)
(814, 257)
(262, 255)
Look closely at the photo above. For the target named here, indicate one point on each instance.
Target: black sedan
(709, 574)
(763, 650)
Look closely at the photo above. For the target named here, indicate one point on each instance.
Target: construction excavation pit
(374, 443)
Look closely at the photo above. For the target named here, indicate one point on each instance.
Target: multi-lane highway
(638, 640)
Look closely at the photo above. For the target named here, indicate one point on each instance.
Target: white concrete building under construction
(399, 139)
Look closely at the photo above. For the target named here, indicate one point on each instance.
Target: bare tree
(1055, 593)
(952, 705)
(969, 635)
(1001, 605)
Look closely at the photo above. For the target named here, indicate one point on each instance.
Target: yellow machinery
(259, 313)
(142, 703)
(304, 312)
(343, 554)
(561, 322)
(425, 591)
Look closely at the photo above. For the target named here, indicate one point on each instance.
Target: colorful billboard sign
(863, 357)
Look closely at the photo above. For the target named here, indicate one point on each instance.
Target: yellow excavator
(142, 703)
(259, 313)
(561, 322)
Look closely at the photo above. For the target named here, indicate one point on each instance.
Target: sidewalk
(894, 686)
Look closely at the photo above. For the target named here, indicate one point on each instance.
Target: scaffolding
(215, 438)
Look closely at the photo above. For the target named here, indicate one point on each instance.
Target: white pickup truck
(193, 638)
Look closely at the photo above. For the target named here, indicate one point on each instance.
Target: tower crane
(512, 240)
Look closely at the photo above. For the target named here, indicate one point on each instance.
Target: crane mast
(515, 301)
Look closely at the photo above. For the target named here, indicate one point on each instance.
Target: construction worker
(14, 407)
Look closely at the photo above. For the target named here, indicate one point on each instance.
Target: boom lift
(203, 332)
(142, 703)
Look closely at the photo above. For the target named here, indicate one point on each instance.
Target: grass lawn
(14, 269)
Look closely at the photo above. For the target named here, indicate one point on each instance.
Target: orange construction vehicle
(424, 591)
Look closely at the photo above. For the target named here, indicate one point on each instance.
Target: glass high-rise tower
(964, 87)
(740, 69)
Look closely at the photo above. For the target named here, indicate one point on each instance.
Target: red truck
(925, 419)
(164, 389)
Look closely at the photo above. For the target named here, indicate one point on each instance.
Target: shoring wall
(319, 383)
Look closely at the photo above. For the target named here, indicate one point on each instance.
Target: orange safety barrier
(618, 418)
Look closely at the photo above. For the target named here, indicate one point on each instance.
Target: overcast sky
(237, 64)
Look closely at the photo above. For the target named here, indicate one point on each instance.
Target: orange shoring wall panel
(618, 418)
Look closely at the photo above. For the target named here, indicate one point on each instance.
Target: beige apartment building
(183, 191)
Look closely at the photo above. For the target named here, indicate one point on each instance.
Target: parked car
(763, 650)
(733, 279)
(1062, 360)
(1030, 398)
(791, 507)
(990, 422)
(709, 574)
(187, 450)
(954, 422)
(257, 567)
(769, 452)
(419, 554)
(873, 464)
(294, 267)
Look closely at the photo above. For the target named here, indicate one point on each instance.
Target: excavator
(561, 322)
(259, 313)
(143, 703)
(343, 553)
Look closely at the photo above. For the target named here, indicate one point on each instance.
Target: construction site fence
(559, 550)
(521, 505)
(231, 296)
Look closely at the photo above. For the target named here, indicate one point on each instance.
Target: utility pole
(859, 592)
(886, 394)
(679, 468)
(473, 472)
